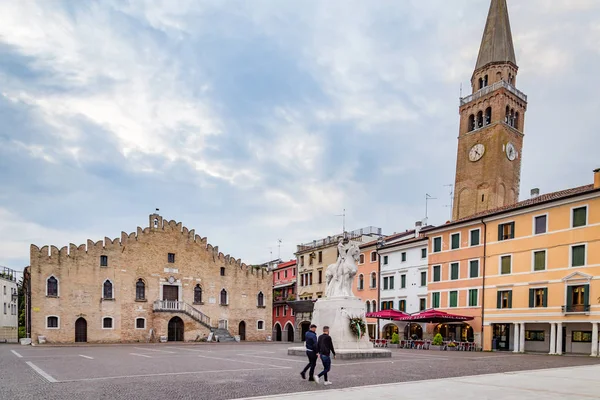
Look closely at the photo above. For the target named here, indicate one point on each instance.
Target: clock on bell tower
(490, 140)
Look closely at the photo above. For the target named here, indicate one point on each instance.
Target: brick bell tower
(490, 140)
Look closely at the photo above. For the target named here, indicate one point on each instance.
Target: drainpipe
(378, 288)
(483, 281)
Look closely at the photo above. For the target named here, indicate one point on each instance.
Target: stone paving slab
(346, 354)
(571, 383)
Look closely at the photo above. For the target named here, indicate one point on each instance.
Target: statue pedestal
(335, 313)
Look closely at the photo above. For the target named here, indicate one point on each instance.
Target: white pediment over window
(577, 277)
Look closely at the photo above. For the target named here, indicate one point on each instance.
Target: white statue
(339, 276)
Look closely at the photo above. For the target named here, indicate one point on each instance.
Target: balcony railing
(180, 306)
(488, 89)
(577, 308)
(356, 234)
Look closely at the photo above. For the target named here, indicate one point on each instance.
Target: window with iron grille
(171, 258)
(104, 261)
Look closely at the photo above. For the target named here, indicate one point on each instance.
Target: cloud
(258, 122)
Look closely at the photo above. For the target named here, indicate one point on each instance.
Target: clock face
(511, 151)
(476, 152)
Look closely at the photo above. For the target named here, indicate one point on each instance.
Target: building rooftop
(496, 43)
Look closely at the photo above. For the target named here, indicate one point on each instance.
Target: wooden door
(175, 330)
(171, 293)
(242, 330)
(81, 330)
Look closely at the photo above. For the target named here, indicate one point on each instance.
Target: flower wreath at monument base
(357, 326)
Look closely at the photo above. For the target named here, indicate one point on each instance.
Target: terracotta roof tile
(529, 202)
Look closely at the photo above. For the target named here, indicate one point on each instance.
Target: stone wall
(144, 255)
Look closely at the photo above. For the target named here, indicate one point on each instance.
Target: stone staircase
(185, 308)
(222, 335)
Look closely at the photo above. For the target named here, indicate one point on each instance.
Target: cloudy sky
(253, 121)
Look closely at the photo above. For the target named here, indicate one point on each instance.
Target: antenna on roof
(427, 198)
(451, 186)
(279, 249)
(343, 215)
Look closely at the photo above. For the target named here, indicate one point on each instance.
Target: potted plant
(395, 343)
(451, 346)
(438, 342)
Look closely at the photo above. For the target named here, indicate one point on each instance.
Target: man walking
(325, 346)
(311, 353)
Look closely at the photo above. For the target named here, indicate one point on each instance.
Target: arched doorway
(175, 330)
(277, 333)
(389, 330)
(290, 332)
(413, 329)
(242, 330)
(305, 326)
(81, 330)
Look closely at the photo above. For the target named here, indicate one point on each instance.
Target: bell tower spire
(488, 164)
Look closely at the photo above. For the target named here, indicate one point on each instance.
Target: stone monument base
(344, 354)
(336, 313)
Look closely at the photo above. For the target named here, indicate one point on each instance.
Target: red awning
(433, 316)
(387, 314)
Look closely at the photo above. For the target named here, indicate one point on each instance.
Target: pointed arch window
(512, 117)
(223, 297)
(361, 282)
(198, 294)
(488, 116)
(368, 306)
(260, 299)
(471, 122)
(374, 305)
(107, 290)
(373, 280)
(140, 290)
(52, 287)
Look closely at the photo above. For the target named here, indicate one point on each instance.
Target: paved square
(227, 371)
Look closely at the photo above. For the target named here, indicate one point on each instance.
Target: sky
(254, 121)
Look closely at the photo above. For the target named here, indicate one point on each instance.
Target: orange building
(526, 272)
(365, 285)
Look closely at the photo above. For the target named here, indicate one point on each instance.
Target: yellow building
(533, 275)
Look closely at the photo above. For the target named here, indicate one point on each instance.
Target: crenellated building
(163, 280)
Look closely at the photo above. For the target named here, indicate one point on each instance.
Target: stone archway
(304, 326)
(277, 332)
(175, 330)
(289, 328)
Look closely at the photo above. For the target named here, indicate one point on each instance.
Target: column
(552, 338)
(594, 339)
(522, 339)
(559, 338)
(516, 338)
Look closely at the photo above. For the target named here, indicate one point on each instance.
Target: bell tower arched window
(516, 125)
(480, 83)
(479, 119)
(488, 115)
(471, 122)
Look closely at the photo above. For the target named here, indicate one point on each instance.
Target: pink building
(284, 290)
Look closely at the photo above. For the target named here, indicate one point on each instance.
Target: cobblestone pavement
(226, 371)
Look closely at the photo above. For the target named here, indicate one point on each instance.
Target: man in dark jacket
(325, 346)
(311, 353)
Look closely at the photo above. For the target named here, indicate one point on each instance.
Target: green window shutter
(569, 296)
(505, 264)
(579, 216)
(455, 241)
(531, 298)
(510, 299)
(512, 230)
(474, 270)
(475, 237)
(499, 299)
(539, 259)
(578, 256)
(500, 232)
(436, 273)
(545, 300)
(454, 271)
(586, 295)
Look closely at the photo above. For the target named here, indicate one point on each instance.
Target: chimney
(535, 192)
(597, 178)
(418, 225)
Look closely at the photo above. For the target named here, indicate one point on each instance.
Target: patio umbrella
(387, 314)
(433, 316)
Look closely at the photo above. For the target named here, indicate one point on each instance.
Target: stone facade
(171, 261)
